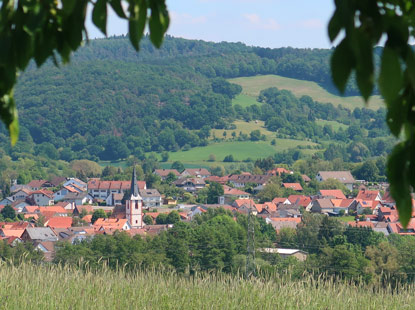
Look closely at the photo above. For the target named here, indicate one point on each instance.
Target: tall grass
(54, 287)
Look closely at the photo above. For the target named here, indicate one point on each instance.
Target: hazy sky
(267, 23)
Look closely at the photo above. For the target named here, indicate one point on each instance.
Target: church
(134, 205)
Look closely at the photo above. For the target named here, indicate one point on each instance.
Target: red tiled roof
(277, 200)
(87, 218)
(300, 200)
(43, 192)
(336, 193)
(56, 209)
(233, 191)
(240, 202)
(31, 209)
(278, 171)
(365, 194)
(294, 186)
(114, 185)
(36, 183)
(286, 219)
(59, 222)
(12, 232)
(165, 172)
(115, 224)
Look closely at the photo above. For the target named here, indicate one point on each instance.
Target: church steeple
(133, 206)
(134, 185)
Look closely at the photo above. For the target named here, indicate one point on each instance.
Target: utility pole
(250, 252)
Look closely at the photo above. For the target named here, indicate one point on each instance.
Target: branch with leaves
(38, 30)
(365, 24)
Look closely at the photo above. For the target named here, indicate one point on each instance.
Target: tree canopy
(366, 24)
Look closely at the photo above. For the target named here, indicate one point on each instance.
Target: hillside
(112, 102)
(251, 87)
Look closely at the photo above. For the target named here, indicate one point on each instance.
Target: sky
(265, 23)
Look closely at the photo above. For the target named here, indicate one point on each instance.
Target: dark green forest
(111, 102)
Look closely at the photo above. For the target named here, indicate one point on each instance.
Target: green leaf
(159, 22)
(364, 63)
(137, 22)
(117, 7)
(334, 26)
(342, 62)
(8, 113)
(395, 116)
(68, 6)
(398, 175)
(99, 15)
(390, 78)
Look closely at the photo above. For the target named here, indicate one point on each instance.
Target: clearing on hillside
(245, 128)
(253, 85)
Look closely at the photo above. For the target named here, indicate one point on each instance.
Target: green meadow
(253, 85)
(53, 287)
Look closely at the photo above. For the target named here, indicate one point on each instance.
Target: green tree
(255, 135)
(178, 166)
(173, 217)
(8, 212)
(97, 215)
(148, 220)
(161, 218)
(171, 177)
(364, 25)
(215, 191)
(164, 156)
(59, 30)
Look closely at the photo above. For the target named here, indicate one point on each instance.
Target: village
(77, 210)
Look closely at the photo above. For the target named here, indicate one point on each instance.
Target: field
(239, 149)
(244, 100)
(253, 85)
(36, 287)
(335, 125)
(245, 128)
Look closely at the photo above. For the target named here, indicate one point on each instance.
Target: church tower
(134, 206)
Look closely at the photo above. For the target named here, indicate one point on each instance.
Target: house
(39, 234)
(66, 205)
(53, 211)
(36, 185)
(195, 211)
(221, 180)
(6, 201)
(238, 203)
(47, 248)
(6, 233)
(114, 199)
(265, 208)
(78, 198)
(397, 228)
(332, 193)
(371, 205)
(306, 178)
(111, 224)
(163, 173)
(367, 195)
(323, 205)
(77, 183)
(196, 173)
(294, 186)
(57, 181)
(42, 197)
(285, 253)
(151, 198)
(59, 222)
(102, 189)
(278, 171)
(344, 177)
(83, 209)
(65, 190)
(190, 184)
(231, 194)
(283, 201)
(241, 180)
(299, 200)
(19, 205)
(30, 209)
(21, 194)
(345, 205)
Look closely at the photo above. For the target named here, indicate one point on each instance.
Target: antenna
(250, 251)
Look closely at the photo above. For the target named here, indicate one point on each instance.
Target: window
(136, 221)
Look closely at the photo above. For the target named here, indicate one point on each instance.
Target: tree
(8, 212)
(161, 218)
(59, 30)
(215, 191)
(164, 156)
(178, 166)
(255, 135)
(148, 220)
(98, 214)
(229, 159)
(367, 171)
(212, 157)
(171, 177)
(173, 217)
(365, 24)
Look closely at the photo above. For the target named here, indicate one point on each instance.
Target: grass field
(244, 127)
(335, 125)
(245, 100)
(253, 85)
(239, 149)
(37, 287)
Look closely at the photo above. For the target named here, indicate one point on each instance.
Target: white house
(42, 197)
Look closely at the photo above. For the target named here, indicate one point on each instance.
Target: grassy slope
(245, 100)
(239, 149)
(335, 125)
(31, 287)
(253, 85)
(244, 127)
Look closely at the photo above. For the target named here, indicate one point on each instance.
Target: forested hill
(111, 102)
